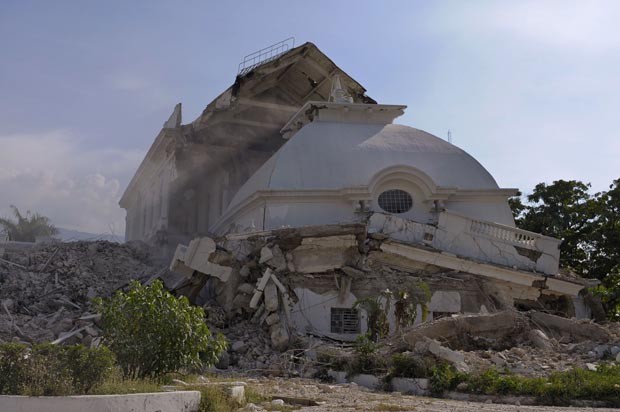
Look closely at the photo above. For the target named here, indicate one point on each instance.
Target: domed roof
(335, 155)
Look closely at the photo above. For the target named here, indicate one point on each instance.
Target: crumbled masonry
(45, 292)
(267, 304)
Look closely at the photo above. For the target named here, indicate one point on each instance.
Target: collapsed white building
(298, 196)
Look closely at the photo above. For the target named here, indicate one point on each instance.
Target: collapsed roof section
(250, 113)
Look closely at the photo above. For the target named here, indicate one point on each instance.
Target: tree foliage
(153, 333)
(563, 210)
(26, 228)
(589, 226)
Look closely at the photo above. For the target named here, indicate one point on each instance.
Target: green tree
(517, 207)
(605, 236)
(605, 256)
(153, 333)
(589, 226)
(25, 228)
(564, 210)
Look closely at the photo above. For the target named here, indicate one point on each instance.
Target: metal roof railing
(265, 55)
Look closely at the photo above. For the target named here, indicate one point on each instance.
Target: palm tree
(27, 228)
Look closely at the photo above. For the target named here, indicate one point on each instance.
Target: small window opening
(395, 201)
(345, 321)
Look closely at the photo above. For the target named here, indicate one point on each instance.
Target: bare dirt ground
(350, 397)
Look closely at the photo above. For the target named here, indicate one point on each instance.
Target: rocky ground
(350, 397)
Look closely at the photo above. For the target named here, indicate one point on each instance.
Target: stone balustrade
(478, 240)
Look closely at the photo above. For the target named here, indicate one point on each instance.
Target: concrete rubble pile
(244, 276)
(46, 290)
(525, 343)
(253, 289)
(256, 284)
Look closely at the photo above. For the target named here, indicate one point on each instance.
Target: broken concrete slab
(260, 287)
(271, 297)
(196, 257)
(279, 337)
(272, 319)
(540, 340)
(278, 261)
(570, 329)
(455, 358)
(499, 326)
(265, 254)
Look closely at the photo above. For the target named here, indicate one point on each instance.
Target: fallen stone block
(455, 358)
(540, 340)
(265, 254)
(271, 297)
(458, 331)
(196, 257)
(571, 329)
(279, 337)
(272, 319)
(278, 261)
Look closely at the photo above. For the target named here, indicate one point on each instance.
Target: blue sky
(529, 88)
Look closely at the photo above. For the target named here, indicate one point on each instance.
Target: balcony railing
(265, 55)
(506, 233)
(478, 240)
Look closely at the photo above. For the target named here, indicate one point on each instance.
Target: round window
(395, 201)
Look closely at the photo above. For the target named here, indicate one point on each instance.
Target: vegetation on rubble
(376, 311)
(404, 365)
(51, 370)
(152, 333)
(589, 226)
(26, 228)
(405, 302)
(366, 358)
(214, 398)
(560, 388)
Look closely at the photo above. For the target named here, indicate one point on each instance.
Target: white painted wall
(312, 312)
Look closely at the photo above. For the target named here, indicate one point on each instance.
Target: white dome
(335, 155)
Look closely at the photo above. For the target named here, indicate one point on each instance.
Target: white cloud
(580, 25)
(76, 188)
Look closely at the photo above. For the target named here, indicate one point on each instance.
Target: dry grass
(390, 407)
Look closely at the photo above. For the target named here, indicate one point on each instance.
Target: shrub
(366, 359)
(560, 388)
(332, 358)
(153, 333)
(409, 366)
(50, 370)
(89, 367)
(13, 357)
(445, 377)
(215, 399)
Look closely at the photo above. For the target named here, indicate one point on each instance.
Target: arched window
(395, 201)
